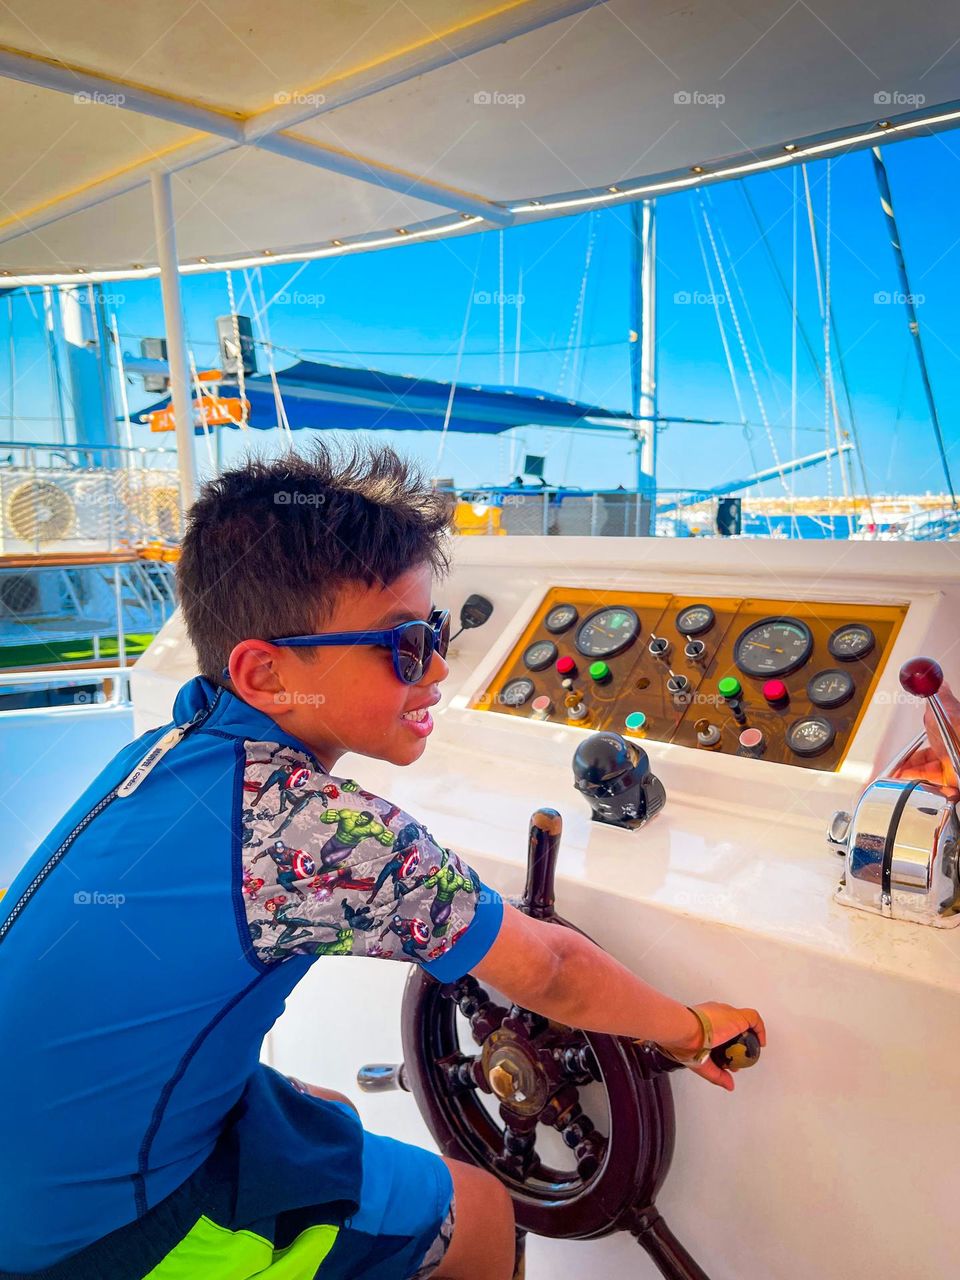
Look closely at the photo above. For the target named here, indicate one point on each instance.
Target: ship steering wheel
(490, 1080)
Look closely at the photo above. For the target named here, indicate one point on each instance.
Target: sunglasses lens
(412, 651)
(443, 644)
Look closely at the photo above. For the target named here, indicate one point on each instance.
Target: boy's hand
(728, 1023)
(931, 762)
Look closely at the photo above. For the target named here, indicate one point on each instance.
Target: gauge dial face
(773, 647)
(516, 692)
(608, 632)
(810, 736)
(539, 655)
(695, 619)
(830, 688)
(561, 618)
(851, 642)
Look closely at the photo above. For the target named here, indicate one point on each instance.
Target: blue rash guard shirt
(150, 942)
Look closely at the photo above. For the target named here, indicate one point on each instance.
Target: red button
(775, 691)
(566, 666)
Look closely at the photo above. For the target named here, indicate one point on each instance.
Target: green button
(599, 671)
(729, 687)
(635, 720)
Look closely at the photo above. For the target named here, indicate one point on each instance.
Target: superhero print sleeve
(330, 869)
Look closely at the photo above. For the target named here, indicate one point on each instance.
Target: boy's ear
(255, 675)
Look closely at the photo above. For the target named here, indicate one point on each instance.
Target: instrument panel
(782, 680)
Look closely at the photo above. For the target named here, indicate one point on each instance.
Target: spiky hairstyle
(270, 545)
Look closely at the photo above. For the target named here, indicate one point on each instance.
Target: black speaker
(729, 515)
(229, 329)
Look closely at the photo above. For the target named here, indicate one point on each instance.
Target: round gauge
(773, 647)
(540, 654)
(851, 642)
(830, 688)
(810, 736)
(607, 632)
(560, 618)
(695, 620)
(516, 692)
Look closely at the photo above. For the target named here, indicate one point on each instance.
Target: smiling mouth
(417, 716)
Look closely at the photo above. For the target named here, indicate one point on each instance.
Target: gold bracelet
(700, 1057)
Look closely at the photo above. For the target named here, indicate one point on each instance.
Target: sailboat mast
(886, 201)
(643, 352)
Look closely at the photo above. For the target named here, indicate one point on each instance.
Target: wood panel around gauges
(806, 672)
(650, 664)
(576, 628)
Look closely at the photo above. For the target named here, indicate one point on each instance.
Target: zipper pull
(152, 758)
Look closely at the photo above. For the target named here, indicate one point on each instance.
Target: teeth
(418, 715)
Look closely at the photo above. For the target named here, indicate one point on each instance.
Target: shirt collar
(231, 715)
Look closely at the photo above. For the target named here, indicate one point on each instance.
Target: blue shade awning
(335, 397)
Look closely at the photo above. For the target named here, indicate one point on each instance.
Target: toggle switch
(708, 735)
(695, 651)
(659, 647)
(679, 689)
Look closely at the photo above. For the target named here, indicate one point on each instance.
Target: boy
(150, 942)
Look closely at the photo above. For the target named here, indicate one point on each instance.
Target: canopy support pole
(165, 231)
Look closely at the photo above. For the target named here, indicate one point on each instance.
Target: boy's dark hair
(269, 545)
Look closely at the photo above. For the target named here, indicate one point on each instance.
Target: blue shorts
(246, 1213)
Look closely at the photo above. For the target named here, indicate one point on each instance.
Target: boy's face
(348, 697)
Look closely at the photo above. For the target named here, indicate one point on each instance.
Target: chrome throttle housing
(901, 844)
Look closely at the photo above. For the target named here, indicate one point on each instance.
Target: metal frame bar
(165, 227)
(268, 129)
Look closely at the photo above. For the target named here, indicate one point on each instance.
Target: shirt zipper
(131, 782)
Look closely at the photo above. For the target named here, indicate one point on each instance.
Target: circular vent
(40, 511)
(19, 594)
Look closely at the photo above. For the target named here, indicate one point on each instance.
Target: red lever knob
(922, 677)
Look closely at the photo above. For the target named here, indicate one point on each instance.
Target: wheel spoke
(460, 1071)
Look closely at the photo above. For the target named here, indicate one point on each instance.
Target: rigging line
(827, 372)
(576, 373)
(516, 340)
(794, 326)
(829, 389)
(791, 302)
(721, 236)
(886, 203)
(578, 308)
(743, 348)
(731, 368)
(500, 365)
(456, 372)
(844, 462)
(277, 394)
(198, 391)
(259, 319)
(516, 351)
(241, 372)
(798, 324)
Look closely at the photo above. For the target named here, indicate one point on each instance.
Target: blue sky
(404, 310)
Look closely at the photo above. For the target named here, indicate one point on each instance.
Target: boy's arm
(559, 973)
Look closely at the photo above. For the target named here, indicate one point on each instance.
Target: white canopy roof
(294, 126)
